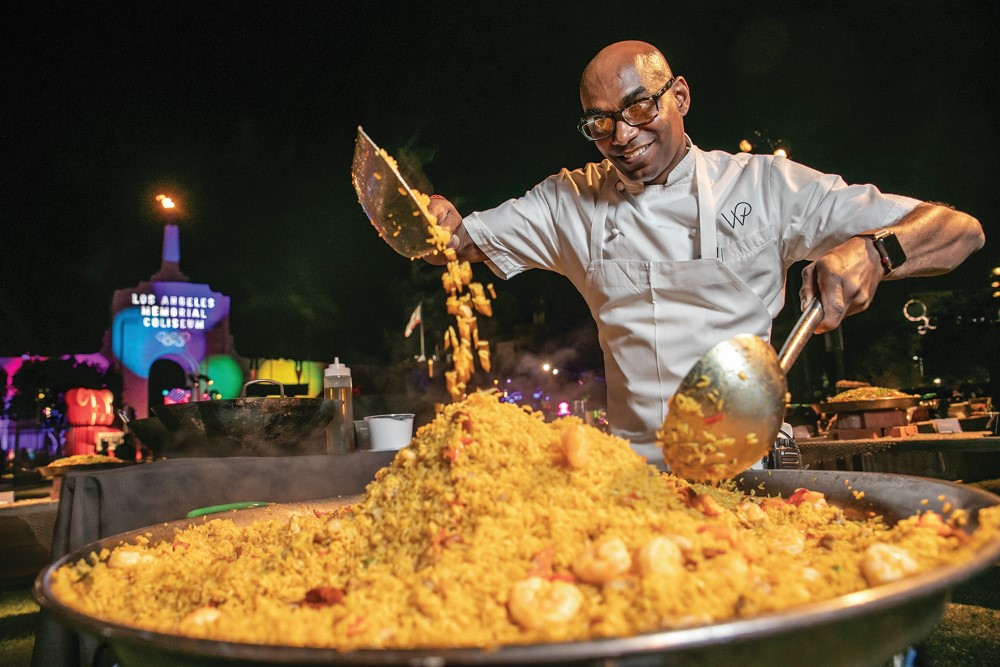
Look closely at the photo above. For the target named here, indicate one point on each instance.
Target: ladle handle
(800, 335)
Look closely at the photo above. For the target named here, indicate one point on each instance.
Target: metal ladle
(729, 408)
(392, 206)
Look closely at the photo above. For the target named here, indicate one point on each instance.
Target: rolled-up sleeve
(820, 211)
(544, 229)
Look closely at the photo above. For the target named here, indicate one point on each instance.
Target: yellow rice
(483, 498)
(84, 459)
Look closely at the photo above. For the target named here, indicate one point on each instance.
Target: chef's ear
(682, 95)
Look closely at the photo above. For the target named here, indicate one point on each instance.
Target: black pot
(245, 426)
(150, 432)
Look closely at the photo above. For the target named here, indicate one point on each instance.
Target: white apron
(656, 319)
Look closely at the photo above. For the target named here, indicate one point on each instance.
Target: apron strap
(707, 231)
(600, 220)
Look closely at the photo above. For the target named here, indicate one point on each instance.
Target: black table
(966, 457)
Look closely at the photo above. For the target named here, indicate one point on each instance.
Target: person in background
(675, 248)
(129, 448)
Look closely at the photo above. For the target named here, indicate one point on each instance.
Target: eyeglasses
(638, 113)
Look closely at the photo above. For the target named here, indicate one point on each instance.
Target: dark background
(246, 113)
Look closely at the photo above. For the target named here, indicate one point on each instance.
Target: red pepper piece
(323, 596)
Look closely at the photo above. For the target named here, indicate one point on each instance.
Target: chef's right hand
(449, 218)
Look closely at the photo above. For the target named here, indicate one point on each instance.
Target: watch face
(891, 252)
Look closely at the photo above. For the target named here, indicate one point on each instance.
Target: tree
(41, 383)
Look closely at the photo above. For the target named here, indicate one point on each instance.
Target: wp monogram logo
(738, 214)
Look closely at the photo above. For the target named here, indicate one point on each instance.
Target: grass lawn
(18, 618)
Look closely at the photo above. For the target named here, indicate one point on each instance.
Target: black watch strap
(889, 251)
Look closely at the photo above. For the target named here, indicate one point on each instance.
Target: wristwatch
(889, 251)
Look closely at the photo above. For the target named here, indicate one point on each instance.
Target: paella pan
(863, 626)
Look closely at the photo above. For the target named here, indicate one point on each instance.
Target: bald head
(623, 60)
(628, 75)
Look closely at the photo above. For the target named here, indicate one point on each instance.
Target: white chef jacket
(769, 213)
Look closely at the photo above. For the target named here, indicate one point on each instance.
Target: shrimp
(123, 559)
(339, 528)
(295, 523)
(750, 513)
(201, 616)
(537, 604)
(814, 498)
(707, 505)
(934, 521)
(731, 564)
(660, 556)
(788, 539)
(605, 560)
(883, 563)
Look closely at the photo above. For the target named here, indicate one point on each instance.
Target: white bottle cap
(336, 369)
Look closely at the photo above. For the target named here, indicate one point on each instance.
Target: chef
(676, 248)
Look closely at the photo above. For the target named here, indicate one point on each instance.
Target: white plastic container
(389, 431)
(338, 388)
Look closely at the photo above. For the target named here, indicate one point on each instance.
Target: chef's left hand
(845, 278)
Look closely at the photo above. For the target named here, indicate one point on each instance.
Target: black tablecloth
(965, 457)
(95, 505)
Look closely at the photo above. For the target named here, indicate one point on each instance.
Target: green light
(226, 375)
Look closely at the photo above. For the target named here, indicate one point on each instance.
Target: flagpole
(423, 357)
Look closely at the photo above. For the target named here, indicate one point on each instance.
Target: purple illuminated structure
(170, 339)
(164, 328)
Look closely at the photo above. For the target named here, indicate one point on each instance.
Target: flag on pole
(415, 319)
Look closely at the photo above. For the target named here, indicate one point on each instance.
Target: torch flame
(165, 201)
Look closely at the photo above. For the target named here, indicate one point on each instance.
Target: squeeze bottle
(337, 388)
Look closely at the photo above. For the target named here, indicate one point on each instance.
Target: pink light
(177, 395)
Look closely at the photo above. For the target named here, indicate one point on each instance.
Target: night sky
(246, 112)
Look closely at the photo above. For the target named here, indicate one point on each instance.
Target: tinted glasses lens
(640, 112)
(598, 128)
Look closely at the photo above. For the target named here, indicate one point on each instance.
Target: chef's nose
(623, 133)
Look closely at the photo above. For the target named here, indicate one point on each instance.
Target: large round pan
(247, 426)
(864, 628)
(50, 472)
(866, 405)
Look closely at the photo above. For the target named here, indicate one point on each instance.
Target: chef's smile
(633, 153)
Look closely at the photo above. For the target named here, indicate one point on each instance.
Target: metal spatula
(400, 219)
(729, 408)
